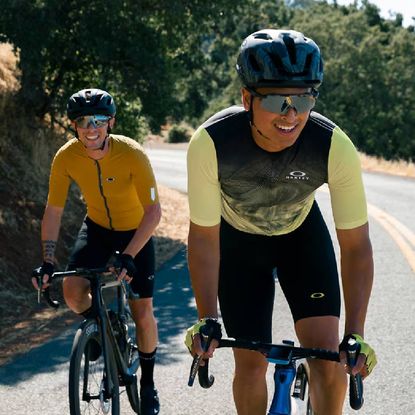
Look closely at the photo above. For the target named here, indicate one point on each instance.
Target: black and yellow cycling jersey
(271, 193)
(116, 188)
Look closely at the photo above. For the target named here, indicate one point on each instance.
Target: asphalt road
(36, 383)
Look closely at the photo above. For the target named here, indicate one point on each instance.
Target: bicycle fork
(283, 378)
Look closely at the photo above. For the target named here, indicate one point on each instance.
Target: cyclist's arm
(149, 222)
(357, 275)
(51, 224)
(203, 259)
(357, 279)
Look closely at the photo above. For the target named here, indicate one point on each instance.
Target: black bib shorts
(305, 264)
(95, 245)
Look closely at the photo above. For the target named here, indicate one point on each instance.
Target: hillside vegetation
(170, 62)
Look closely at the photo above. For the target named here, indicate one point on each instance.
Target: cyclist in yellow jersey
(117, 182)
(252, 175)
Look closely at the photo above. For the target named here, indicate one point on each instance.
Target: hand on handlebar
(41, 275)
(366, 359)
(203, 337)
(126, 266)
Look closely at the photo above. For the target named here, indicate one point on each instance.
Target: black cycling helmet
(90, 102)
(279, 58)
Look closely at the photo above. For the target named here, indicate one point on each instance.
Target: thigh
(307, 269)
(91, 249)
(246, 285)
(142, 284)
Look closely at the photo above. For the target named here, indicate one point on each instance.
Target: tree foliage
(177, 60)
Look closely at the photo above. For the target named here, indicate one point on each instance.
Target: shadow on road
(42, 359)
(174, 310)
(174, 306)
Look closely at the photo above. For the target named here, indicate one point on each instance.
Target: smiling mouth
(285, 129)
(92, 137)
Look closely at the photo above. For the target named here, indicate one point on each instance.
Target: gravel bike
(104, 355)
(291, 379)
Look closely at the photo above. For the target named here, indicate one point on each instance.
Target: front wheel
(130, 354)
(88, 377)
(132, 389)
(301, 394)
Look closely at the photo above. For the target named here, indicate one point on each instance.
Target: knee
(143, 314)
(327, 374)
(250, 366)
(75, 293)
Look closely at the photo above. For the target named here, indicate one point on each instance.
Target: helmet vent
(289, 43)
(307, 64)
(262, 35)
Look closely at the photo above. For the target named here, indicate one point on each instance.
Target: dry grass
(39, 325)
(376, 164)
(8, 69)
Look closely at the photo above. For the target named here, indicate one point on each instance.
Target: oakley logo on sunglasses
(96, 121)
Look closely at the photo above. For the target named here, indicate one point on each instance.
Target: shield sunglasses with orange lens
(281, 103)
(97, 121)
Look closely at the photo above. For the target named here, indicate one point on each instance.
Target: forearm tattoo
(49, 250)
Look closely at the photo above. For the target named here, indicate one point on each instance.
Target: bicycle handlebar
(283, 354)
(88, 273)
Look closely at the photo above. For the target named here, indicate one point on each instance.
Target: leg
(76, 294)
(249, 384)
(307, 273)
(246, 297)
(141, 304)
(142, 311)
(328, 381)
(90, 250)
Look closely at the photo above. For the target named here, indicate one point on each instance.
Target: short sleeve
(345, 182)
(59, 181)
(203, 184)
(143, 178)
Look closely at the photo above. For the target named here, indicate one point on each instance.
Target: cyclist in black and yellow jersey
(252, 176)
(117, 182)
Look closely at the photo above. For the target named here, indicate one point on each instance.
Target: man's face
(92, 133)
(279, 123)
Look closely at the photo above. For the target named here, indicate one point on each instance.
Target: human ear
(246, 99)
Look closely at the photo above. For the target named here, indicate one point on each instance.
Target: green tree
(125, 46)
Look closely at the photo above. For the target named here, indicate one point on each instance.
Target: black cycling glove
(127, 261)
(46, 268)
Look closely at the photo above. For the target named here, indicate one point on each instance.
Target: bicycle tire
(302, 385)
(87, 372)
(132, 389)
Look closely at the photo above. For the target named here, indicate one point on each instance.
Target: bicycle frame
(99, 311)
(109, 341)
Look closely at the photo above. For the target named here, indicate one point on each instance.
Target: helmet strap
(251, 117)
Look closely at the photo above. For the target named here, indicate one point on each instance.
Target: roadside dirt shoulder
(42, 323)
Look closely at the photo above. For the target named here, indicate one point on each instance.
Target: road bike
(291, 379)
(104, 354)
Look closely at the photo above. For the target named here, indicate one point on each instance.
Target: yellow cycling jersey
(116, 188)
(271, 193)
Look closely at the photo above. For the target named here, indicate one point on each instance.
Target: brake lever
(194, 369)
(356, 384)
(205, 380)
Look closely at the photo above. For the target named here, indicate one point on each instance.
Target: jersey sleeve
(345, 182)
(59, 181)
(143, 178)
(202, 180)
